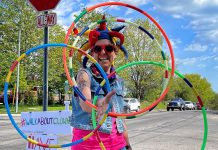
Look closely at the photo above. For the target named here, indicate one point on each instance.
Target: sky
(191, 25)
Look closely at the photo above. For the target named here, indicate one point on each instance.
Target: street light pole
(18, 72)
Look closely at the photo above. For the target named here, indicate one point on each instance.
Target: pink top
(113, 141)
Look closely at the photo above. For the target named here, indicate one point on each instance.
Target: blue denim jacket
(82, 120)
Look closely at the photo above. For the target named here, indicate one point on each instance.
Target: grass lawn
(161, 105)
(24, 108)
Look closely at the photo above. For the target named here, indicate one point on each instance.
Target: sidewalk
(14, 115)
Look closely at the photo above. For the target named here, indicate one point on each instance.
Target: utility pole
(18, 72)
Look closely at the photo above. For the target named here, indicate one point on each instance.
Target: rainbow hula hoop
(86, 48)
(72, 82)
(103, 82)
(13, 66)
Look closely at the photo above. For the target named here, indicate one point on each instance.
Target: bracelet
(128, 146)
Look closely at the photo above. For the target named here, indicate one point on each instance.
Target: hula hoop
(13, 66)
(152, 105)
(72, 82)
(137, 9)
(87, 47)
(105, 115)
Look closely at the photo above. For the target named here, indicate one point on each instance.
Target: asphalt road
(159, 130)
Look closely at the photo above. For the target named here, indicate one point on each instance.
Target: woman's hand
(103, 104)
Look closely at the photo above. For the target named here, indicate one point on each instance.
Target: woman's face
(104, 58)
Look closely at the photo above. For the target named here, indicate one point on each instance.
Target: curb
(6, 115)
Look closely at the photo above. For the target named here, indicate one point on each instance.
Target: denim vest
(82, 120)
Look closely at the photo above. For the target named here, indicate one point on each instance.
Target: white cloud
(186, 61)
(129, 11)
(177, 16)
(115, 7)
(215, 49)
(194, 60)
(130, 19)
(192, 8)
(196, 47)
(205, 2)
(135, 2)
(67, 20)
(202, 13)
(131, 2)
(205, 28)
(210, 34)
(65, 7)
(175, 42)
(201, 66)
(66, 10)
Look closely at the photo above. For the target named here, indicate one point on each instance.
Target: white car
(133, 103)
(189, 105)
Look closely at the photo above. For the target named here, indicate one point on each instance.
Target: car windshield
(133, 101)
(175, 101)
(187, 102)
(126, 100)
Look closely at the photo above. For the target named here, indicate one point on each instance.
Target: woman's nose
(103, 51)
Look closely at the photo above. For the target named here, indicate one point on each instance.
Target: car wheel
(138, 109)
(180, 108)
(168, 109)
(172, 109)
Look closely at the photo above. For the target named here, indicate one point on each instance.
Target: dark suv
(177, 103)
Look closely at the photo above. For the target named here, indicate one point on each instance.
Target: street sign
(44, 5)
(46, 20)
(46, 122)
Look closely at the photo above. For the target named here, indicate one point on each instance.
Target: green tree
(15, 16)
(18, 15)
(203, 87)
(213, 104)
(144, 81)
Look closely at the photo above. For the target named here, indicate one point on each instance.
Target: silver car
(133, 103)
(189, 105)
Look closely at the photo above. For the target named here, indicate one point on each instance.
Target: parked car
(177, 103)
(126, 107)
(195, 106)
(133, 103)
(10, 98)
(189, 105)
(198, 106)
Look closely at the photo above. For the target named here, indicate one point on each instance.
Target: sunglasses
(107, 48)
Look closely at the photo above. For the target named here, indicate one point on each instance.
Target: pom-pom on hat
(102, 32)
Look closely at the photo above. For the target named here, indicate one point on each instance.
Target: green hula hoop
(146, 109)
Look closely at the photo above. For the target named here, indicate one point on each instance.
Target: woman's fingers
(108, 96)
(103, 104)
